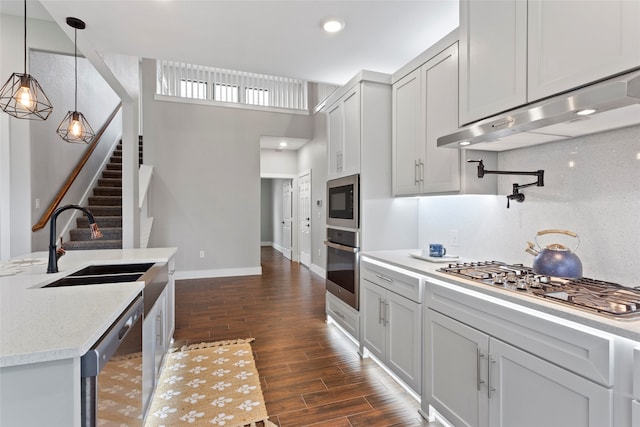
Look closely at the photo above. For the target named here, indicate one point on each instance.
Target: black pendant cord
(75, 55)
(25, 36)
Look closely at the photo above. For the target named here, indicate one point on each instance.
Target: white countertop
(400, 258)
(39, 325)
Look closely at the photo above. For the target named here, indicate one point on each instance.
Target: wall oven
(343, 202)
(343, 264)
(114, 363)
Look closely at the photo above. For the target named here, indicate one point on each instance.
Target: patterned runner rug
(213, 384)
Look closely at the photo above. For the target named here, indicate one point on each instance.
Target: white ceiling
(274, 143)
(282, 38)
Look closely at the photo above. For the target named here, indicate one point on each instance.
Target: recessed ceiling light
(463, 143)
(586, 112)
(333, 25)
(283, 144)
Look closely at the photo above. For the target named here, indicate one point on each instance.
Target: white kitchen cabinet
(156, 339)
(514, 52)
(391, 321)
(344, 132)
(425, 107)
(408, 142)
(475, 379)
(572, 43)
(493, 57)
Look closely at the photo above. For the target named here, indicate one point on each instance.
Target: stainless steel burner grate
(606, 298)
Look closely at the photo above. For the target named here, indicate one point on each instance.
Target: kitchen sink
(112, 269)
(94, 280)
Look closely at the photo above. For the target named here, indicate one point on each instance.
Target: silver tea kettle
(556, 259)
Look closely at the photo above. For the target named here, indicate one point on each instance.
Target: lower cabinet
(391, 322)
(475, 379)
(155, 344)
(344, 315)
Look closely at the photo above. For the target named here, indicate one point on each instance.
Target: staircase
(106, 207)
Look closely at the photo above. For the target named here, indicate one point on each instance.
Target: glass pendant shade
(22, 96)
(75, 128)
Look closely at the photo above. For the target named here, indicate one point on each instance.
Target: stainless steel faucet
(53, 252)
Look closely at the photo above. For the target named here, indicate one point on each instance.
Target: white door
(286, 218)
(304, 218)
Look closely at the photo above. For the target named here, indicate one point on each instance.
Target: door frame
(299, 217)
(295, 254)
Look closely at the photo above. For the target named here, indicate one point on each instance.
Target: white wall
(592, 187)
(278, 163)
(313, 156)
(205, 193)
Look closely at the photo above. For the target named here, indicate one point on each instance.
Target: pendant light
(21, 96)
(74, 127)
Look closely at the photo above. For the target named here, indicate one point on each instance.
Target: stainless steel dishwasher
(112, 373)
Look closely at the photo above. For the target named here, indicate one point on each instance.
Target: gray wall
(53, 159)
(205, 192)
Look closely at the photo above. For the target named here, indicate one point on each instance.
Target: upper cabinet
(359, 133)
(493, 57)
(572, 43)
(344, 134)
(514, 52)
(425, 107)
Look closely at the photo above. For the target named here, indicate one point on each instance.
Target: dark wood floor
(311, 374)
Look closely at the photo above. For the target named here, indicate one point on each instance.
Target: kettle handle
(553, 231)
(567, 232)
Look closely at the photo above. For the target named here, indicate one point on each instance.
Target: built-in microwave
(343, 202)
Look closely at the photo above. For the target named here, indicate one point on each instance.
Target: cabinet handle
(421, 170)
(340, 315)
(381, 311)
(386, 314)
(159, 329)
(416, 165)
(479, 357)
(490, 389)
(386, 279)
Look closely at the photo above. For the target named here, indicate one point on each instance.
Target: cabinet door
(352, 131)
(404, 341)
(408, 135)
(572, 43)
(530, 392)
(335, 123)
(373, 312)
(455, 371)
(441, 166)
(493, 55)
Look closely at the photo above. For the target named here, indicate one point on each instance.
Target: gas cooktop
(605, 298)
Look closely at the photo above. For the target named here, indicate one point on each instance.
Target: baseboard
(266, 243)
(318, 270)
(278, 247)
(222, 272)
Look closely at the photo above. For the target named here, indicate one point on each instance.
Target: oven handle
(341, 247)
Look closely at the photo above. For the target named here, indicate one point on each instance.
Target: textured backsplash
(592, 187)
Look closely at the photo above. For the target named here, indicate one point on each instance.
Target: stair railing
(75, 172)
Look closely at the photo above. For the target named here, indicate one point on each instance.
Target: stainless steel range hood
(616, 102)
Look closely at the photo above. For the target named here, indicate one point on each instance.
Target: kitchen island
(45, 331)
